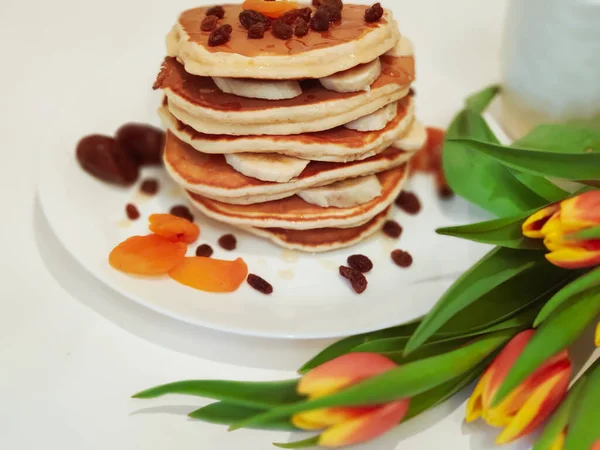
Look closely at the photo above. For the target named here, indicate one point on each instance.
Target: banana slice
(267, 167)
(264, 89)
(404, 47)
(414, 140)
(359, 78)
(376, 121)
(344, 194)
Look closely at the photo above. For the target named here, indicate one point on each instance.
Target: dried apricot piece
(210, 275)
(174, 228)
(147, 255)
(270, 8)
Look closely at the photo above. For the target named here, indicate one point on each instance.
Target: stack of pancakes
(304, 141)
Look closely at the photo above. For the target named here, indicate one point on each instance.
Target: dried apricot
(210, 275)
(270, 8)
(174, 228)
(147, 255)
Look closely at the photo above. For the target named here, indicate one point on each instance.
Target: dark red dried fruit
(149, 186)
(408, 202)
(360, 263)
(104, 158)
(374, 13)
(282, 30)
(209, 23)
(392, 229)
(402, 258)
(257, 31)
(218, 11)
(337, 3)
(259, 284)
(301, 29)
(334, 13)
(132, 212)
(143, 142)
(320, 21)
(204, 250)
(357, 279)
(220, 35)
(228, 242)
(412, 92)
(290, 17)
(183, 212)
(249, 17)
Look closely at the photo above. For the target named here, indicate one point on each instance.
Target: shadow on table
(159, 329)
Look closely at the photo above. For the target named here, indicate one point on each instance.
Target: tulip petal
(533, 225)
(541, 403)
(574, 257)
(342, 372)
(581, 211)
(553, 228)
(559, 442)
(366, 427)
(318, 419)
(597, 338)
(596, 445)
(475, 403)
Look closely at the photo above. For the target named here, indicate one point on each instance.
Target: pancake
(296, 214)
(347, 44)
(338, 144)
(322, 239)
(212, 177)
(199, 103)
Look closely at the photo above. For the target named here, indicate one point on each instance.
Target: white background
(71, 350)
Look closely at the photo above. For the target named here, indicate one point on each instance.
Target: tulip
(559, 442)
(526, 407)
(348, 425)
(556, 222)
(597, 339)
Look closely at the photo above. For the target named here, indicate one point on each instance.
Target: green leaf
(405, 381)
(253, 394)
(505, 232)
(568, 165)
(561, 138)
(556, 334)
(346, 345)
(541, 186)
(306, 443)
(589, 233)
(498, 266)
(588, 281)
(479, 101)
(224, 413)
(497, 189)
(584, 429)
(560, 419)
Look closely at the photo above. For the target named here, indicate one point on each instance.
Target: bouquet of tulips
(509, 321)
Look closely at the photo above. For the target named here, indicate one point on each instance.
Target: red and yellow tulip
(348, 425)
(554, 224)
(531, 403)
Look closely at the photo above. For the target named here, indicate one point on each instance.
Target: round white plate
(97, 90)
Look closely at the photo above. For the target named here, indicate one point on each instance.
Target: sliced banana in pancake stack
(304, 139)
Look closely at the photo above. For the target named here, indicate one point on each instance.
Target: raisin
(402, 258)
(282, 30)
(182, 211)
(357, 279)
(412, 92)
(144, 143)
(209, 23)
(290, 17)
(249, 17)
(106, 159)
(301, 29)
(320, 21)
(220, 35)
(259, 284)
(360, 263)
(204, 250)
(392, 229)
(228, 242)
(374, 13)
(149, 186)
(334, 13)
(132, 212)
(217, 11)
(408, 202)
(337, 3)
(257, 31)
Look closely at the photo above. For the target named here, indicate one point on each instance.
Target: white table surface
(72, 351)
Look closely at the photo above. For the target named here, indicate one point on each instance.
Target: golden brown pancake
(294, 213)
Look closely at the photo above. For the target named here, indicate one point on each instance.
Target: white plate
(310, 298)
